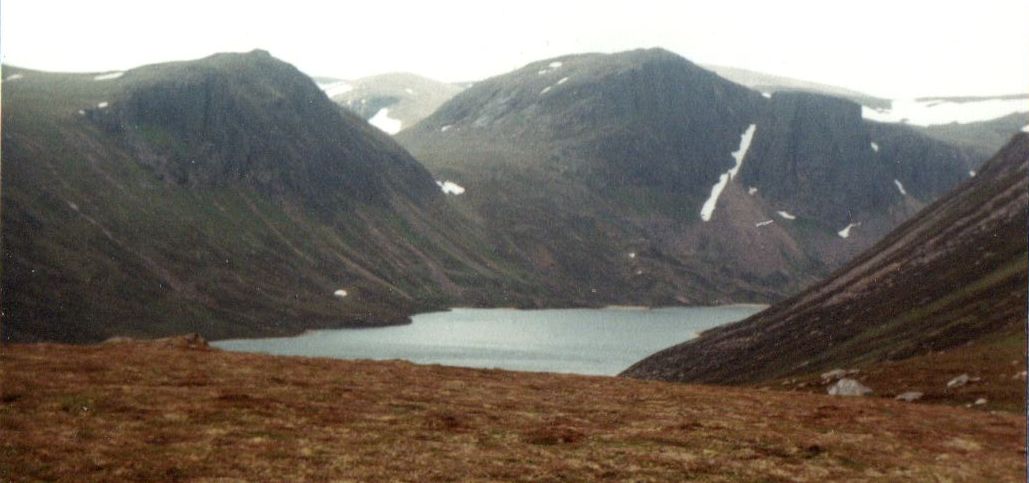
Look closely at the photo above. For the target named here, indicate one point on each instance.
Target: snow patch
(708, 208)
(632, 254)
(387, 124)
(340, 293)
(971, 173)
(1024, 128)
(445, 128)
(900, 186)
(333, 89)
(409, 90)
(545, 90)
(930, 112)
(766, 95)
(13, 77)
(82, 112)
(450, 187)
(550, 68)
(752, 191)
(108, 76)
(875, 147)
(741, 153)
(102, 105)
(565, 79)
(786, 215)
(845, 232)
(764, 223)
(73, 206)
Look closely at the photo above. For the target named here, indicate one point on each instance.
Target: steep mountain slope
(393, 101)
(226, 196)
(954, 274)
(640, 177)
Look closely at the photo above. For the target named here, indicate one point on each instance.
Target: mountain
(642, 178)
(226, 196)
(769, 83)
(393, 101)
(953, 275)
(981, 123)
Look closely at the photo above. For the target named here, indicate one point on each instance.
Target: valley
(449, 242)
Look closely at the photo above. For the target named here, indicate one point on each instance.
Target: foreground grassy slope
(162, 411)
(952, 275)
(226, 196)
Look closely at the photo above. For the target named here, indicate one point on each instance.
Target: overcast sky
(890, 48)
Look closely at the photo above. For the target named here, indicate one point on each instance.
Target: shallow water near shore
(581, 341)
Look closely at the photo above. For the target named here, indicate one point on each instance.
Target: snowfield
(931, 112)
(333, 89)
(450, 187)
(108, 76)
(385, 123)
(900, 187)
(708, 209)
(845, 232)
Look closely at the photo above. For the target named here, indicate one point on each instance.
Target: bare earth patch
(158, 411)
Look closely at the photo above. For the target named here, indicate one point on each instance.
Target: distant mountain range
(641, 177)
(226, 196)
(390, 102)
(953, 275)
(229, 196)
(984, 123)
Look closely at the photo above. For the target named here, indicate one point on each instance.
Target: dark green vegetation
(226, 196)
(953, 275)
(594, 169)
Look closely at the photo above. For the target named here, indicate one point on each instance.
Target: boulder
(958, 381)
(909, 396)
(849, 387)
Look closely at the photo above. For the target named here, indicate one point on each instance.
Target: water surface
(581, 341)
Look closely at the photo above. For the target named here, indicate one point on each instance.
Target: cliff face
(225, 196)
(953, 274)
(723, 194)
(257, 120)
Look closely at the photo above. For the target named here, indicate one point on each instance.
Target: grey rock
(958, 381)
(909, 396)
(849, 387)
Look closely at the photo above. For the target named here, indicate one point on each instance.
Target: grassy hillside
(164, 411)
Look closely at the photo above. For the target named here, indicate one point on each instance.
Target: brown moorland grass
(155, 411)
(996, 367)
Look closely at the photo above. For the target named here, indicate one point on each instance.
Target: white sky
(890, 48)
